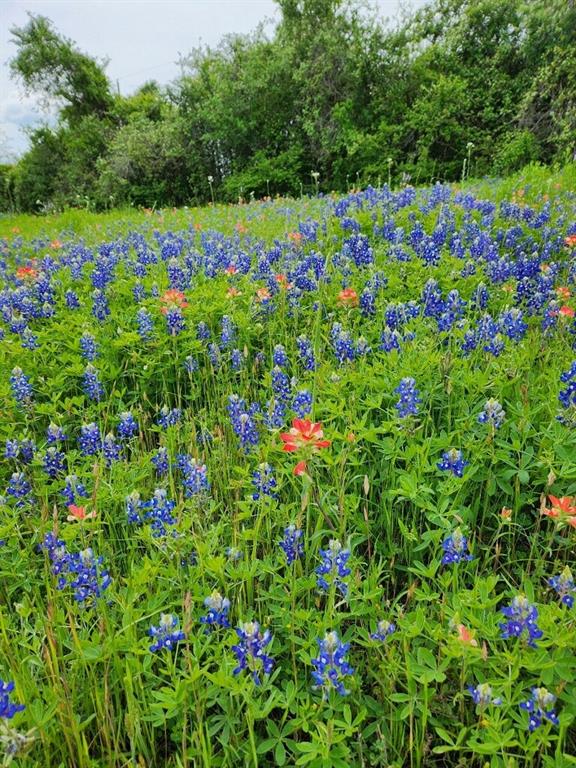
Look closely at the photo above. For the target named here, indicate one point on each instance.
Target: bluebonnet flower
(218, 608)
(27, 450)
(111, 449)
(306, 353)
(243, 423)
(331, 665)
(86, 577)
(368, 302)
(190, 364)
(18, 486)
(492, 414)
(358, 249)
(483, 696)
(389, 340)
(250, 653)
(264, 482)
(12, 449)
(7, 708)
(567, 396)
(455, 548)
(54, 462)
(540, 707)
(521, 618)
(88, 347)
(157, 511)
(280, 384)
(302, 403)
(21, 387)
(214, 355)
(100, 308)
(90, 440)
(128, 426)
(453, 461)
(279, 356)
(512, 324)
(344, 347)
(409, 400)
(71, 299)
(168, 418)
(564, 586)
(145, 324)
(81, 571)
(202, 331)
(333, 566)
(292, 544)
(228, 332)
(29, 340)
(194, 476)
(160, 461)
(55, 434)
(91, 384)
(274, 416)
(234, 554)
(73, 489)
(167, 634)
(175, 321)
(383, 630)
(236, 360)
(133, 508)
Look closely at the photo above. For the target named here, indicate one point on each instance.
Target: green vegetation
(461, 87)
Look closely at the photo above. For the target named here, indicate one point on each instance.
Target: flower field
(292, 482)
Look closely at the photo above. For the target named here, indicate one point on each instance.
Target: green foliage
(51, 66)
(333, 90)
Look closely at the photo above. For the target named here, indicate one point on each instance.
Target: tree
(50, 65)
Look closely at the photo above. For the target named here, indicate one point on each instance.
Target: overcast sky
(141, 39)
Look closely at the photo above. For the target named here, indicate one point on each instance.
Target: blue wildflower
(55, 434)
(168, 418)
(302, 403)
(54, 462)
(145, 324)
(88, 347)
(7, 708)
(331, 666)
(483, 696)
(91, 384)
(111, 449)
(194, 476)
(455, 548)
(521, 618)
(166, 634)
(564, 586)
(21, 387)
(383, 630)
(249, 650)
(218, 608)
(492, 414)
(540, 707)
(333, 566)
(90, 440)
(292, 544)
(264, 482)
(160, 461)
(453, 461)
(128, 426)
(409, 400)
(73, 489)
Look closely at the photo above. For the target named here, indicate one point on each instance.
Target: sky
(141, 40)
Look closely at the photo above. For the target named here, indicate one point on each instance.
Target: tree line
(331, 99)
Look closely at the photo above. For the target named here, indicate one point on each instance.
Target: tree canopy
(333, 90)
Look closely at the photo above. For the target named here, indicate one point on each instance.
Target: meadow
(292, 482)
